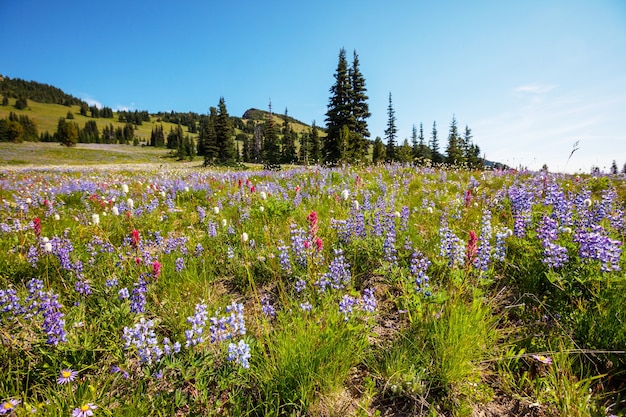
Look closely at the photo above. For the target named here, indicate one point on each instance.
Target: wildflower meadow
(387, 290)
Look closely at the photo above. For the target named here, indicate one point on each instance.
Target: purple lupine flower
(111, 283)
(338, 275)
(239, 353)
(33, 256)
(53, 322)
(389, 249)
(483, 256)
(227, 326)
(180, 264)
(212, 229)
(596, 245)
(554, 255)
(143, 338)
(368, 301)
(306, 306)
(283, 256)
(201, 213)
(123, 294)
(267, 308)
(199, 250)
(499, 252)
(451, 246)
(419, 265)
(299, 245)
(82, 287)
(404, 218)
(138, 296)
(197, 321)
(300, 285)
(346, 305)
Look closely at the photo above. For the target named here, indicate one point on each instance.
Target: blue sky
(530, 78)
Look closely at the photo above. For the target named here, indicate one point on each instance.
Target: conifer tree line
(347, 141)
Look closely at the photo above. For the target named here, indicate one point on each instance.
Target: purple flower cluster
(596, 245)
(338, 275)
(138, 296)
(419, 265)
(389, 243)
(38, 302)
(227, 326)
(521, 207)
(483, 256)
(197, 321)
(239, 353)
(299, 245)
(346, 304)
(554, 255)
(142, 337)
(267, 308)
(451, 247)
(283, 257)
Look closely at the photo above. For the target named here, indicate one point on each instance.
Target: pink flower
(156, 269)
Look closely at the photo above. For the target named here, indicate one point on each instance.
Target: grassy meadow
(389, 290)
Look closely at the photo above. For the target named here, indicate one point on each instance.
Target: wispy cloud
(535, 88)
(123, 107)
(91, 101)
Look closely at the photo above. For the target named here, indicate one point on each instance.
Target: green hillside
(47, 116)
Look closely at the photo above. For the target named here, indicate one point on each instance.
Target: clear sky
(530, 77)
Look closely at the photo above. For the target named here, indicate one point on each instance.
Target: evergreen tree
(5, 100)
(359, 108)
(224, 134)
(424, 151)
(11, 131)
(271, 146)
(21, 103)
(211, 150)
(436, 157)
(305, 147)
(614, 169)
(378, 154)
(339, 111)
(453, 151)
(67, 133)
(289, 155)
(90, 132)
(29, 128)
(315, 154)
(391, 132)
(415, 147)
(404, 153)
(246, 152)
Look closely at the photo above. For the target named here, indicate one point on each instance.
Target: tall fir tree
(391, 132)
(315, 155)
(339, 111)
(289, 155)
(271, 145)
(436, 156)
(224, 134)
(454, 153)
(359, 109)
(378, 153)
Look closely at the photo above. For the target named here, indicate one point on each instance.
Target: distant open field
(46, 117)
(33, 154)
